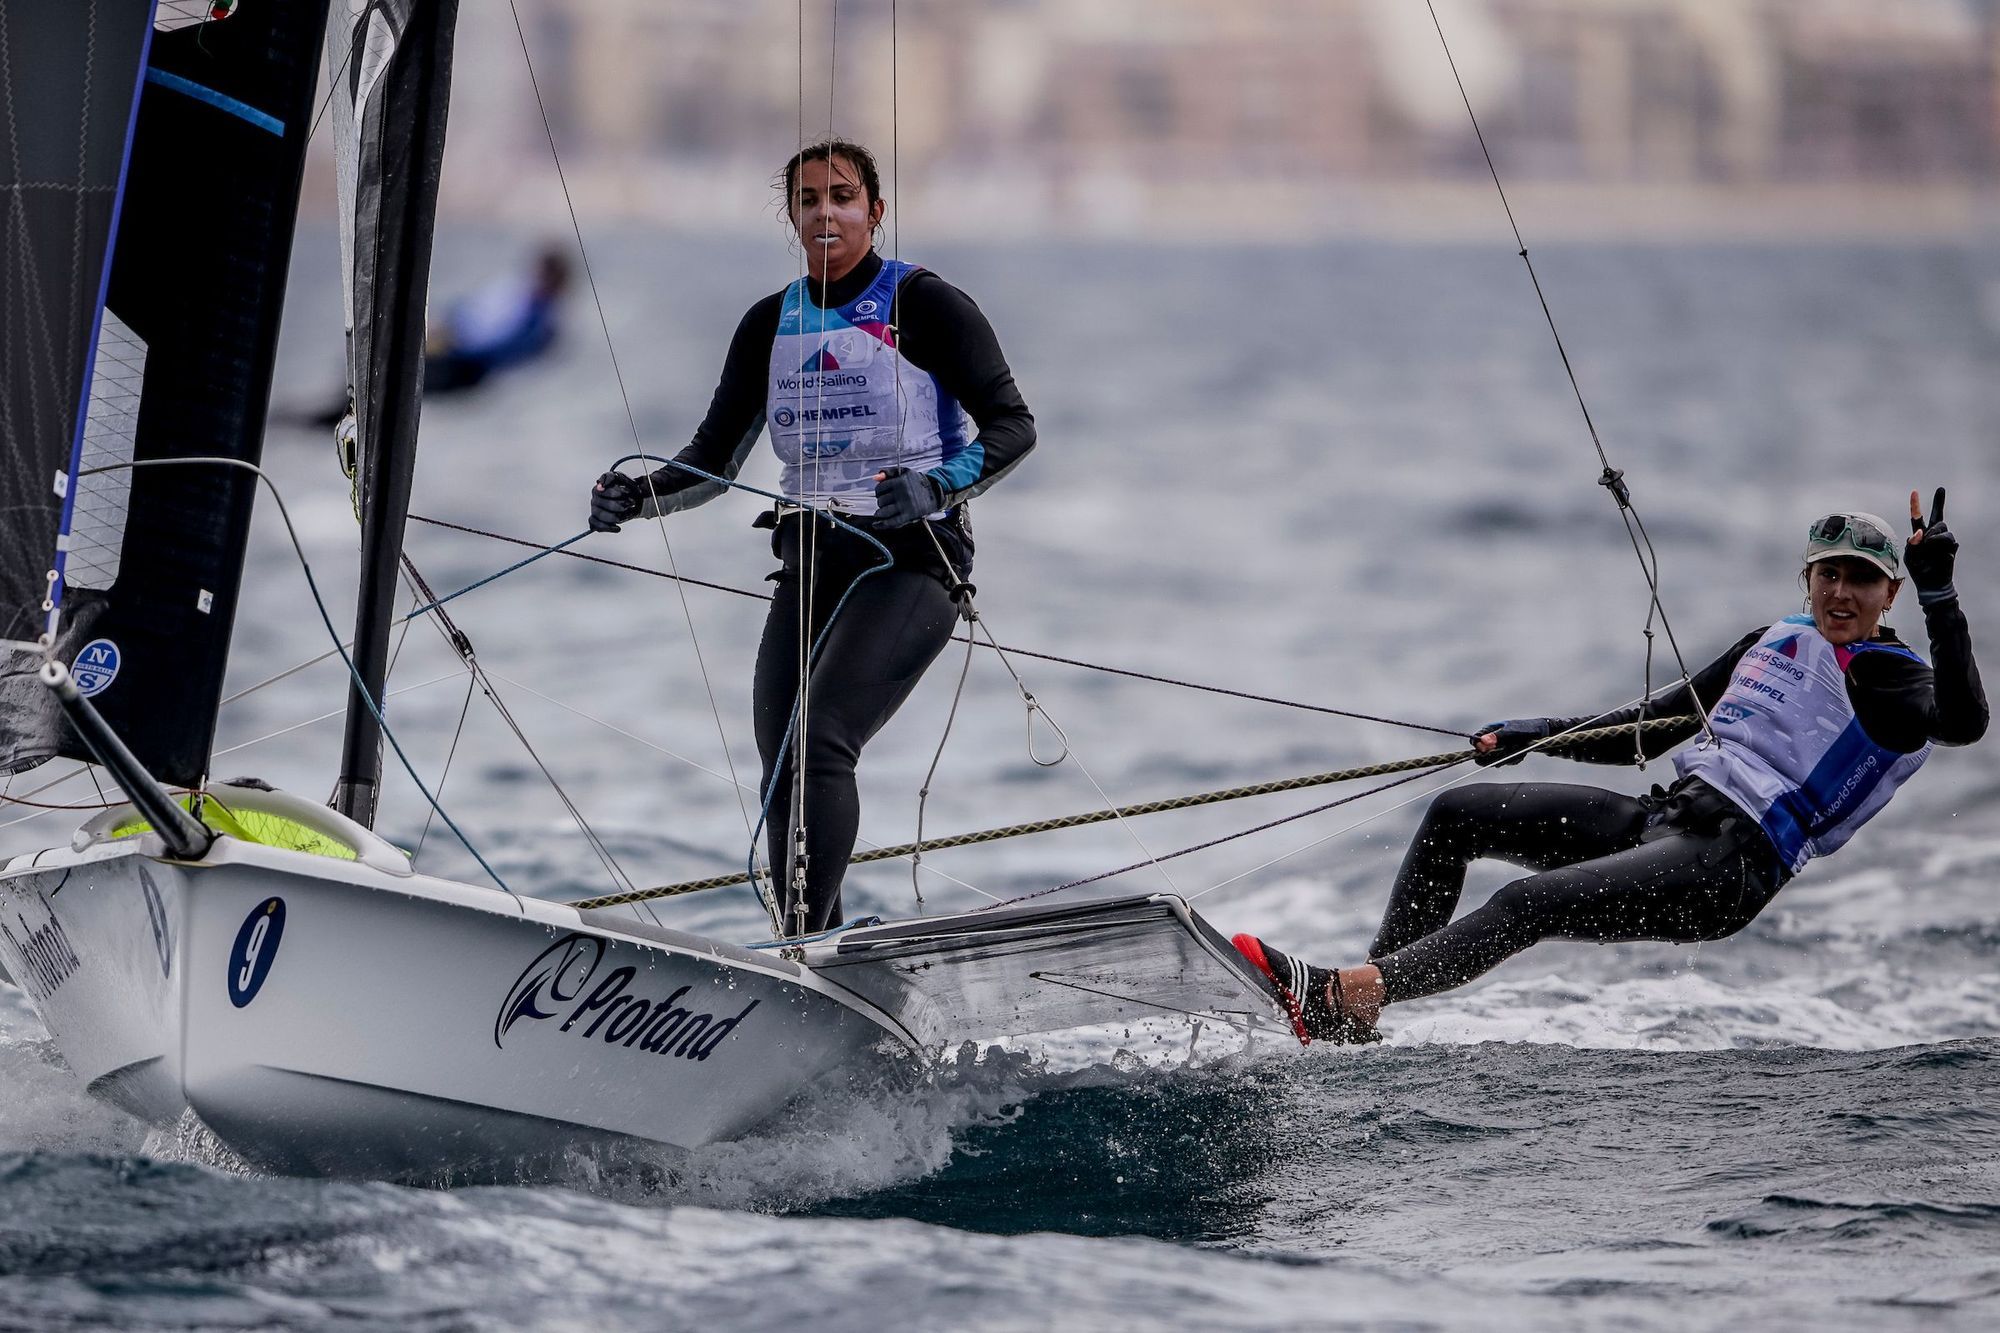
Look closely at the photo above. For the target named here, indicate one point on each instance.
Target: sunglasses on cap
(1851, 531)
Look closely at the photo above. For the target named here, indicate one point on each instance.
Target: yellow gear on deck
(266, 830)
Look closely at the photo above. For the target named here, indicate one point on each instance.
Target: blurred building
(1068, 103)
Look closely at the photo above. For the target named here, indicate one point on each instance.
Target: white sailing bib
(1788, 749)
(843, 404)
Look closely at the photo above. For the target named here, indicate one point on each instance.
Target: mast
(389, 125)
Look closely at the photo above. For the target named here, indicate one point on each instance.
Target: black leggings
(1613, 868)
(890, 631)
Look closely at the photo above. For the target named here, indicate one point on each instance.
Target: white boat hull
(325, 1017)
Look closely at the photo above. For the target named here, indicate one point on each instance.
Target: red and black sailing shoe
(1311, 995)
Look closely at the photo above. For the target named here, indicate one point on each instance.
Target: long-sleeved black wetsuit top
(1900, 703)
(939, 331)
(896, 620)
(1616, 867)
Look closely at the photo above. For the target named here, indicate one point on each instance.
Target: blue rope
(498, 574)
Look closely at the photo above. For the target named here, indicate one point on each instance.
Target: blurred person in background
(509, 323)
(864, 371)
(1816, 720)
(504, 325)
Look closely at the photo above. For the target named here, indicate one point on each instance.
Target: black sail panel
(69, 80)
(196, 291)
(389, 107)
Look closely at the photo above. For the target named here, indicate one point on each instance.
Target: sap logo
(1727, 713)
(822, 448)
(867, 308)
(95, 667)
(256, 948)
(558, 976)
(785, 417)
(46, 958)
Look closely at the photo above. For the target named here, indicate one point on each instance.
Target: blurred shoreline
(736, 199)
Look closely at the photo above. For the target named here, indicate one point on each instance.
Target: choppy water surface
(1349, 475)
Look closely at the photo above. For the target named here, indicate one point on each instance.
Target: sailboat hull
(325, 1017)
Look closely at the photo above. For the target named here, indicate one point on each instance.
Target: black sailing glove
(614, 499)
(1930, 561)
(902, 497)
(1511, 740)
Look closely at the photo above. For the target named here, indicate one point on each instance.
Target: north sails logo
(557, 980)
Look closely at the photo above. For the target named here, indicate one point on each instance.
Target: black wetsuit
(1681, 865)
(897, 621)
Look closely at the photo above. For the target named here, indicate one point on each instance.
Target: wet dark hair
(825, 150)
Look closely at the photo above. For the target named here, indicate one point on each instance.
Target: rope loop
(1034, 709)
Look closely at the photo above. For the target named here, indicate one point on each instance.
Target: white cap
(1842, 546)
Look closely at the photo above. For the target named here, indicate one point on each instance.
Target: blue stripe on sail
(221, 101)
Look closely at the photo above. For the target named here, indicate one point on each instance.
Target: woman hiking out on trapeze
(1813, 724)
(864, 371)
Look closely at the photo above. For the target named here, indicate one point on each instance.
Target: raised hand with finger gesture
(1931, 552)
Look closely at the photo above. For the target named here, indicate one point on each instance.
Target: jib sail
(172, 353)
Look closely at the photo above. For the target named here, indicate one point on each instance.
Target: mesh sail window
(104, 497)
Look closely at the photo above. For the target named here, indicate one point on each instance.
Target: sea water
(1353, 476)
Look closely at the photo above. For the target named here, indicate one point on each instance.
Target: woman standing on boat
(1817, 720)
(864, 371)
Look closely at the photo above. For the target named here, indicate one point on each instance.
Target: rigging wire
(1612, 479)
(1581, 733)
(930, 775)
(614, 728)
(800, 726)
(326, 618)
(461, 643)
(631, 419)
(812, 655)
(464, 708)
(1015, 649)
(337, 712)
(70, 776)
